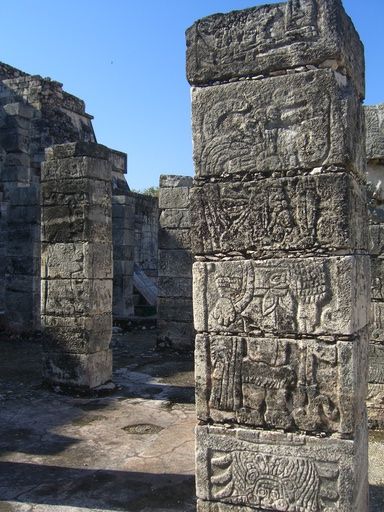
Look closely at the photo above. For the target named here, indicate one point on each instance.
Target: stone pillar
(280, 295)
(123, 235)
(76, 265)
(374, 117)
(174, 311)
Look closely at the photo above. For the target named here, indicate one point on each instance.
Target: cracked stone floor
(132, 450)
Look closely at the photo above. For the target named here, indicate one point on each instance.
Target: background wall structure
(374, 116)
(281, 272)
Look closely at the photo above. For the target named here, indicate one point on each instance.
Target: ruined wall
(174, 311)
(374, 116)
(281, 272)
(34, 114)
(76, 265)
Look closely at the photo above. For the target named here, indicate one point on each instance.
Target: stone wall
(374, 116)
(34, 114)
(174, 310)
(76, 265)
(146, 233)
(281, 272)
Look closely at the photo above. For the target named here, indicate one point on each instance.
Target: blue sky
(126, 60)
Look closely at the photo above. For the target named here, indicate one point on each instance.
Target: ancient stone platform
(130, 451)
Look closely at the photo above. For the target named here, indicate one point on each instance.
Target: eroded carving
(310, 296)
(273, 125)
(273, 382)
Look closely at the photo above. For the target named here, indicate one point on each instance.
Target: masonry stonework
(374, 116)
(281, 272)
(175, 323)
(76, 265)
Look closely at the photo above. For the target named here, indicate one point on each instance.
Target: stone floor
(133, 450)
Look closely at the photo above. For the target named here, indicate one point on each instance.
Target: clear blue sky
(126, 60)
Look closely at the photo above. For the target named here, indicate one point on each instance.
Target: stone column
(123, 235)
(374, 117)
(174, 311)
(280, 295)
(76, 265)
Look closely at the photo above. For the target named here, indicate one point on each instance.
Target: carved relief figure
(260, 480)
(311, 290)
(235, 285)
(267, 379)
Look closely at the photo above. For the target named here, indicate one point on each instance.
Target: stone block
(173, 180)
(306, 385)
(175, 263)
(22, 265)
(123, 252)
(73, 168)
(247, 470)
(323, 211)
(15, 140)
(71, 297)
(180, 333)
(16, 174)
(374, 124)
(118, 160)
(76, 260)
(122, 267)
(177, 218)
(77, 334)
(78, 370)
(122, 236)
(73, 223)
(177, 197)
(124, 214)
(19, 109)
(281, 296)
(174, 238)
(299, 121)
(77, 149)
(376, 239)
(377, 269)
(271, 38)
(175, 310)
(377, 321)
(79, 192)
(175, 286)
(25, 196)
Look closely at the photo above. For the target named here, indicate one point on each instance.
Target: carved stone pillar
(281, 272)
(374, 117)
(76, 265)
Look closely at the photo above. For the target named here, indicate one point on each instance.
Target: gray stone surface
(174, 305)
(276, 471)
(76, 258)
(300, 121)
(271, 216)
(281, 278)
(274, 38)
(297, 296)
(374, 122)
(306, 385)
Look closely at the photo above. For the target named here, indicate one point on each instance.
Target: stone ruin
(276, 218)
(281, 272)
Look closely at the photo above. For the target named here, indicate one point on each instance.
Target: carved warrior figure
(261, 480)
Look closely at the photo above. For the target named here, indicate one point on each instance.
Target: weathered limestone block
(299, 121)
(77, 266)
(170, 286)
(175, 218)
(177, 197)
(77, 334)
(323, 211)
(374, 121)
(309, 385)
(257, 42)
(254, 470)
(86, 371)
(175, 310)
(175, 263)
(174, 238)
(302, 296)
(89, 260)
(180, 333)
